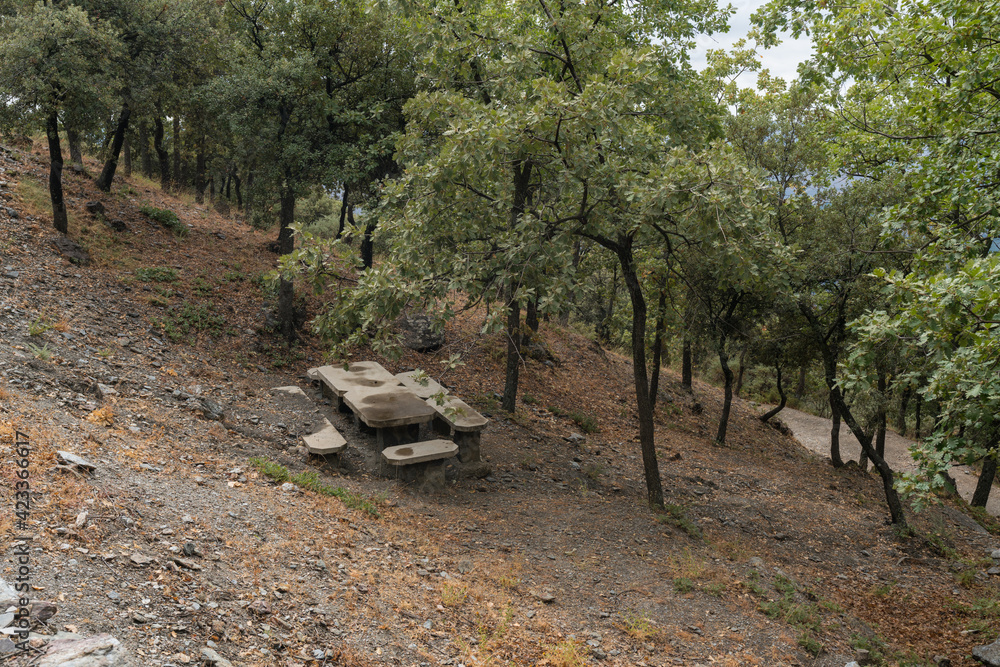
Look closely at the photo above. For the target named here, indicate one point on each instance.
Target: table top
(358, 374)
(384, 407)
(424, 388)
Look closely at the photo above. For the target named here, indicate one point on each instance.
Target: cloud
(782, 60)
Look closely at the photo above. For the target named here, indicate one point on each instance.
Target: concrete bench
(326, 441)
(421, 462)
(454, 414)
(425, 387)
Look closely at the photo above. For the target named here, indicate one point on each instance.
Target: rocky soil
(186, 544)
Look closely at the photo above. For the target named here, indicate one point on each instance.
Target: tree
(52, 63)
(309, 79)
(925, 93)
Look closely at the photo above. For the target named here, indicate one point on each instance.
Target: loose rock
(96, 651)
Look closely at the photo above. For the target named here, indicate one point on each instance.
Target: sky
(782, 60)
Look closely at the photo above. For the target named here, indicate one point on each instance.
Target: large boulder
(71, 251)
(988, 655)
(419, 333)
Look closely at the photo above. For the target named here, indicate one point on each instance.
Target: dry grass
(567, 653)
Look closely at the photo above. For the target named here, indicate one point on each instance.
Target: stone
(7, 647)
(105, 390)
(72, 459)
(995, 554)
(213, 658)
(43, 610)
(6, 619)
(420, 333)
(989, 655)
(95, 208)
(575, 438)
(97, 651)
(291, 390)
(71, 251)
(288, 487)
(187, 564)
(545, 596)
(756, 562)
(116, 224)
(8, 595)
(211, 410)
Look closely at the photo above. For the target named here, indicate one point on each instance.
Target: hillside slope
(179, 541)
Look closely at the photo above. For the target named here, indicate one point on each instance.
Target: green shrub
(156, 274)
(166, 219)
(311, 482)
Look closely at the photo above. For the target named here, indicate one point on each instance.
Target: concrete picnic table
(395, 413)
(337, 381)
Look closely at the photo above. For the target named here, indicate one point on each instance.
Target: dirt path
(814, 433)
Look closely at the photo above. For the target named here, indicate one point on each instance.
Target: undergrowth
(166, 219)
(311, 482)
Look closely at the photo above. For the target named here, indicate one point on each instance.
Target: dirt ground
(184, 537)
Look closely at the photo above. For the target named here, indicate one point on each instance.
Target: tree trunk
(885, 472)
(881, 416)
(199, 177)
(835, 457)
(564, 315)
(127, 157)
(59, 218)
(343, 212)
(521, 181)
(144, 154)
(686, 364)
(236, 187)
(161, 154)
(739, 373)
(727, 404)
(511, 376)
(644, 407)
(531, 315)
(767, 416)
(286, 244)
(661, 325)
(108, 173)
(904, 402)
(982, 494)
(75, 154)
(176, 146)
(286, 240)
(800, 388)
(367, 244)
